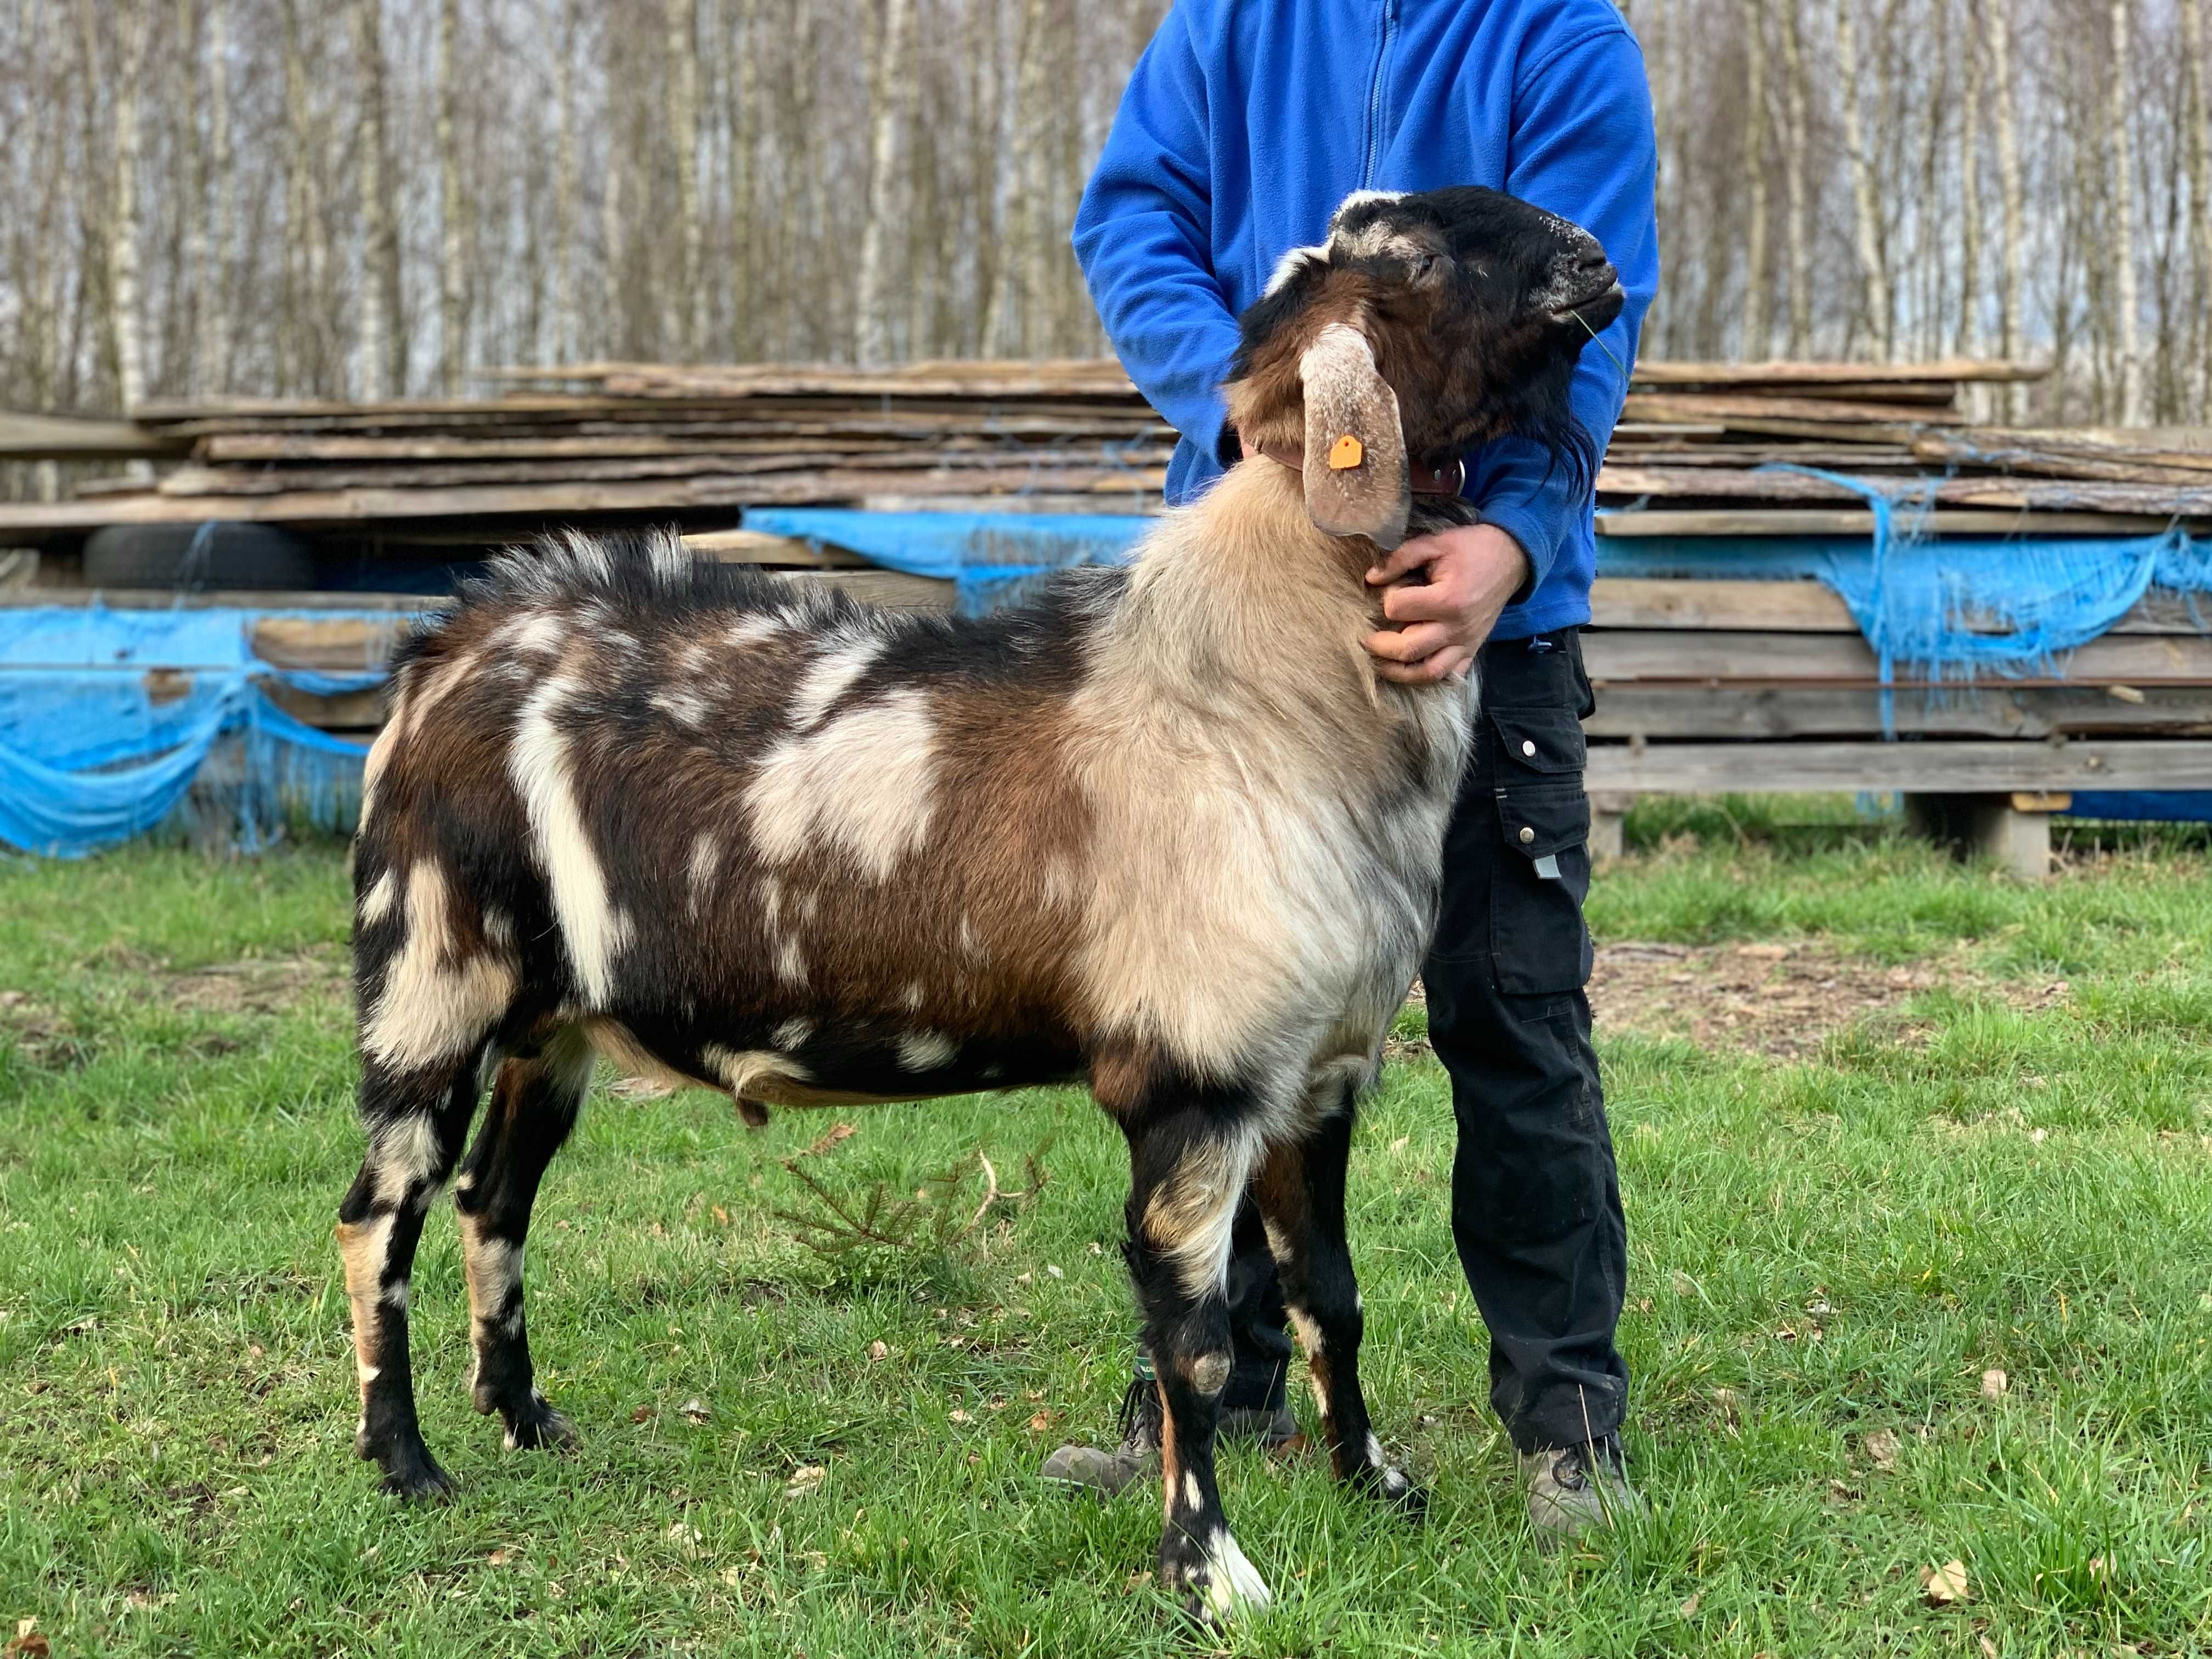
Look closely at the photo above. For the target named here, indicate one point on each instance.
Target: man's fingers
(1453, 662)
(1409, 644)
(1436, 601)
(1408, 555)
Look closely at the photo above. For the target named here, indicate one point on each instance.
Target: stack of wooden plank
(645, 442)
(1698, 445)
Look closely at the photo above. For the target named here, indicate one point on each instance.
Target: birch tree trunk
(375, 323)
(1005, 319)
(453, 202)
(690, 308)
(1797, 103)
(1873, 277)
(1758, 341)
(2011, 309)
(565, 185)
(134, 23)
(2199, 72)
(2122, 240)
(894, 82)
(744, 173)
(213, 374)
(1969, 336)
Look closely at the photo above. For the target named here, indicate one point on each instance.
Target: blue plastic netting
(109, 718)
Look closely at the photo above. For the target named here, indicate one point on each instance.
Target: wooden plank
(664, 495)
(1792, 607)
(191, 481)
(1808, 607)
(2145, 440)
(164, 598)
(346, 711)
(1114, 503)
(2169, 499)
(1991, 708)
(892, 588)
(1949, 768)
(758, 547)
(1728, 407)
(340, 644)
(1665, 372)
(1699, 656)
(1859, 521)
(28, 437)
(1951, 449)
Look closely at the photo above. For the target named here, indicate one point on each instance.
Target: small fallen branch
(884, 1217)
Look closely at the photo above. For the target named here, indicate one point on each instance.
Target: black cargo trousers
(1535, 1200)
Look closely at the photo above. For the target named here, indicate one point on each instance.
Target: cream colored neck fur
(1238, 597)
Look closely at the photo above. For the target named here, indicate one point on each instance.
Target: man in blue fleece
(1243, 126)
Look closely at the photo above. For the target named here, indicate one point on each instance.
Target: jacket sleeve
(1142, 238)
(1582, 147)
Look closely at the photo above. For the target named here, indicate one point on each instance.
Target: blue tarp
(95, 748)
(988, 555)
(107, 717)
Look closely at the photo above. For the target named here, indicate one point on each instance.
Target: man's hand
(1472, 571)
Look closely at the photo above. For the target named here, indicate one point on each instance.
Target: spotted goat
(1161, 828)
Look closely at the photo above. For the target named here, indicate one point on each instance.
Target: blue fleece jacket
(1247, 121)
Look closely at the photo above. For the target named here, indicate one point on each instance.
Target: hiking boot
(1572, 1489)
(1138, 1456)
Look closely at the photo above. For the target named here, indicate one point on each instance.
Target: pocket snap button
(1527, 747)
(1527, 834)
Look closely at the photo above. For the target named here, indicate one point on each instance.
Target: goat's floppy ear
(1356, 483)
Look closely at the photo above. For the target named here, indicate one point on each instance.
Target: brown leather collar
(1427, 480)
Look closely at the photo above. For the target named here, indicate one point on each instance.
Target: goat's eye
(1423, 265)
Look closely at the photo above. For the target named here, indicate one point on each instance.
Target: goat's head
(1426, 325)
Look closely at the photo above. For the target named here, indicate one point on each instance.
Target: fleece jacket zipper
(1375, 94)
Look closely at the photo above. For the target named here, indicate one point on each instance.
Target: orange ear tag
(1345, 453)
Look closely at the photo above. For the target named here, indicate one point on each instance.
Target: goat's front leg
(1300, 1192)
(1189, 1165)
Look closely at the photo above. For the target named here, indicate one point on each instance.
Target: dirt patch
(1773, 998)
(259, 985)
(46, 1037)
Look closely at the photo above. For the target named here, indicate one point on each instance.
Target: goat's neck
(1240, 593)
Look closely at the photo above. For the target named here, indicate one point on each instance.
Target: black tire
(198, 557)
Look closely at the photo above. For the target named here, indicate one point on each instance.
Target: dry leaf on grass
(878, 1351)
(1040, 1423)
(499, 1557)
(1943, 1585)
(959, 1416)
(1689, 1608)
(835, 1134)
(1881, 1448)
(695, 1410)
(807, 1477)
(1995, 1383)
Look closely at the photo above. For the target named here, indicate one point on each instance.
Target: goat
(1161, 828)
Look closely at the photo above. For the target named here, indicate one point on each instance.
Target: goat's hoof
(416, 1476)
(537, 1426)
(1216, 1583)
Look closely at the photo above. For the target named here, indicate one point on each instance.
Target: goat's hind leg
(1300, 1192)
(1189, 1166)
(534, 1103)
(417, 1120)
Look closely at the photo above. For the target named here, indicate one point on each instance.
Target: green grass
(1819, 1252)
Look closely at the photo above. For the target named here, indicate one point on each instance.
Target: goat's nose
(1590, 259)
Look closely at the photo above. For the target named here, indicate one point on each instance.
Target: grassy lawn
(2003, 1163)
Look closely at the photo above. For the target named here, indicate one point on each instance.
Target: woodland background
(370, 197)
